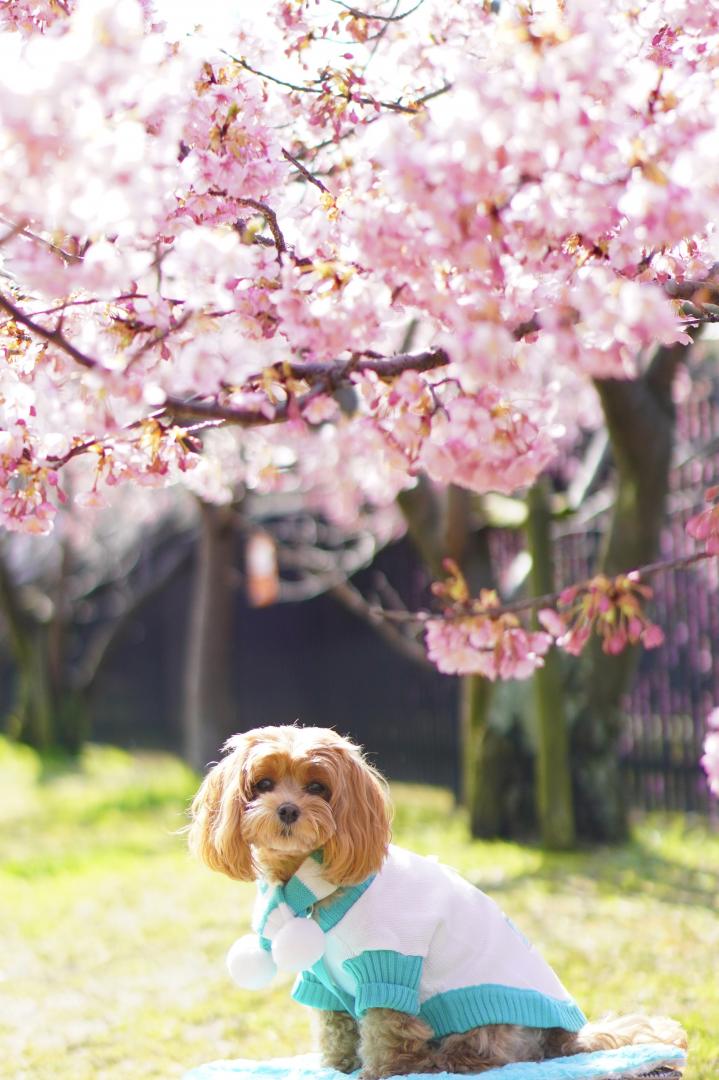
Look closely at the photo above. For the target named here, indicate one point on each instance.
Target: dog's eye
(264, 785)
(316, 788)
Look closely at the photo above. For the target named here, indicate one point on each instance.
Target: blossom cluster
(705, 525)
(496, 648)
(612, 608)
(477, 636)
(183, 222)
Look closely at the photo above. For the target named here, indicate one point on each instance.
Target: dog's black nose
(288, 813)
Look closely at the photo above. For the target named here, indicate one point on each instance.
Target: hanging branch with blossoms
(483, 636)
(476, 638)
(609, 607)
(480, 636)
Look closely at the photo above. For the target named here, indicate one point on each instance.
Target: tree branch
(391, 106)
(53, 337)
(306, 173)
(352, 599)
(548, 599)
(377, 18)
(104, 638)
(270, 217)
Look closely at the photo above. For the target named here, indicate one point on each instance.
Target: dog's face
(284, 792)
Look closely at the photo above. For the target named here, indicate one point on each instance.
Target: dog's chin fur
(237, 828)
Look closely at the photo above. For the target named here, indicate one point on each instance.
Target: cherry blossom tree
(415, 240)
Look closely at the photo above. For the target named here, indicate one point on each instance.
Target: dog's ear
(215, 834)
(361, 809)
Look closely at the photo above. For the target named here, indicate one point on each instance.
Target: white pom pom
(298, 945)
(249, 965)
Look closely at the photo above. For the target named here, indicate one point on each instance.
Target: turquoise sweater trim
(298, 896)
(475, 1006)
(301, 900)
(389, 980)
(332, 911)
(385, 980)
(309, 990)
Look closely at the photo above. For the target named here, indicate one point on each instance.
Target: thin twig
(306, 173)
(548, 599)
(392, 106)
(54, 337)
(22, 230)
(271, 218)
(352, 599)
(377, 18)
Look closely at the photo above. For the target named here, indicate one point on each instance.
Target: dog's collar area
(291, 920)
(308, 893)
(290, 923)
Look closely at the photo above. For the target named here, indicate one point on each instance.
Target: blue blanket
(630, 1061)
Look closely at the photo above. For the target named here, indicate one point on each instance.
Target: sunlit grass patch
(114, 940)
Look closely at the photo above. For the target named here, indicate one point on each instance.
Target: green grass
(113, 942)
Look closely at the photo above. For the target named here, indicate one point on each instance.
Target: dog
(408, 967)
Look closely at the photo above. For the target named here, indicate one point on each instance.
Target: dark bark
(483, 750)
(31, 715)
(552, 777)
(208, 712)
(485, 754)
(422, 509)
(441, 525)
(640, 419)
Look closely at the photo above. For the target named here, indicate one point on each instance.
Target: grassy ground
(113, 942)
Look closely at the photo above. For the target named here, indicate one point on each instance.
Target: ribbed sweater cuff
(385, 980)
(310, 991)
(386, 996)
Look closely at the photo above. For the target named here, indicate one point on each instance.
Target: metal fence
(677, 684)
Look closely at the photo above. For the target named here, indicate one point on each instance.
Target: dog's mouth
(263, 828)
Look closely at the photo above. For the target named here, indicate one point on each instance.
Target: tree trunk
(484, 753)
(640, 420)
(553, 783)
(31, 715)
(208, 710)
(486, 759)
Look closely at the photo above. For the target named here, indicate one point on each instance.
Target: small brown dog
(410, 968)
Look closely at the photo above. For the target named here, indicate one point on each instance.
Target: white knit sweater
(418, 938)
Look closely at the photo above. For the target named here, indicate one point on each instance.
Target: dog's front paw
(337, 1036)
(344, 1063)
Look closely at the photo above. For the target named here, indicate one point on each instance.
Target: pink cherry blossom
(705, 525)
(710, 758)
(487, 443)
(609, 607)
(479, 645)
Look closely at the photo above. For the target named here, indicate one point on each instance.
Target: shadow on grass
(57, 766)
(633, 870)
